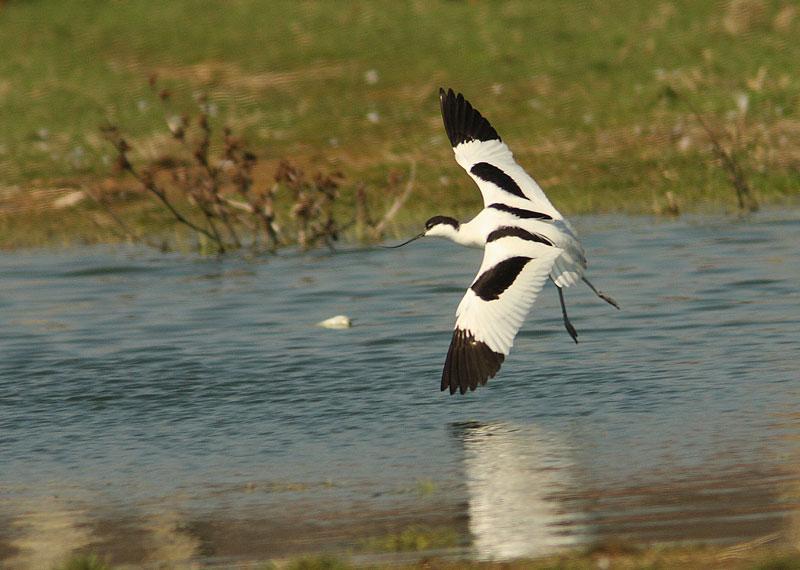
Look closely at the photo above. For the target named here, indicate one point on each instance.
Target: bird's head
(437, 226)
(441, 226)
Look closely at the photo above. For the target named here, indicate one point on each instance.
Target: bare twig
(208, 183)
(736, 176)
(124, 231)
(362, 219)
(378, 229)
(148, 183)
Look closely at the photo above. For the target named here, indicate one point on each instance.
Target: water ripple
(128, 378)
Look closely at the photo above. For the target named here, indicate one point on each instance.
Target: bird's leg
(570, 329)
(600, 294)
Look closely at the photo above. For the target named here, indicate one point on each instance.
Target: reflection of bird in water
(514, 477)
(525, 241)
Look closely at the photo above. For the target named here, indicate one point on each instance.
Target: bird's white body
(525, 241)
(567, 268)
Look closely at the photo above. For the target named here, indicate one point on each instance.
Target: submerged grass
(322, 562)
(712, 558)
(413, 538)
(580, 91)
(84, 562)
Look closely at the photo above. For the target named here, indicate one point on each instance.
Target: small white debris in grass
(227, 166)
(373, 117)
(69, 200)
(337, 322)
(175, 123)
(742, 102)
(76, 157)
(371, 76)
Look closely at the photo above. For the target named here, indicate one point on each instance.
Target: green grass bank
(579, 90)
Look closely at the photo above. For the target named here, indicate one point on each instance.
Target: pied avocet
(525, 241)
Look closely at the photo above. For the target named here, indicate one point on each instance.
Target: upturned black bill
(404, 243)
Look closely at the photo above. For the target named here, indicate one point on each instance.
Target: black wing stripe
(455, 381)
(469, 363)
(520, 212)
(475, 376)
(462, 122)
(446, 375)
(513, 231)
(490, 173)
(480, 367)
(492, 282)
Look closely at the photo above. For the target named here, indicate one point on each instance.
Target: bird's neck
(468, 234)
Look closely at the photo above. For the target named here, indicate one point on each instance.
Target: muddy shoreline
(724, 509)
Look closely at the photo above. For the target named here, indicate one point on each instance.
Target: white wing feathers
(531, 241)
(493, 310)
(481, 152)
(497, 321)
(500, 179)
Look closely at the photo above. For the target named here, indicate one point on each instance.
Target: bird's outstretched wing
(515, 266)
(486, 158)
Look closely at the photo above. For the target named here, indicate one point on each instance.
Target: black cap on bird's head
(437, 220)
(441, 225)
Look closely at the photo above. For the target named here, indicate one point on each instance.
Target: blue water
(129, 378)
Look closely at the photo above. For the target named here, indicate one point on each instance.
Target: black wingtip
(462, 122)
(469, 363)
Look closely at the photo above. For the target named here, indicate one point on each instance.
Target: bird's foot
(608, 299)
(571, 330)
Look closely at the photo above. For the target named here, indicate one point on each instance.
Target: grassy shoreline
(618, 556)
(47, 218)
(583, 94)
(423, 529)
(67, 213)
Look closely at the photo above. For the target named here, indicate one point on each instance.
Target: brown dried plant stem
(124, 231)
(208, 182)
(147, 182)
(265, 209)
(201, 156)
(150, 185)
(744, 194)
(379, 228)
(362, 218)
(260, 206)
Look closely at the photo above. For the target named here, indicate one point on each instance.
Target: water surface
(143, 393)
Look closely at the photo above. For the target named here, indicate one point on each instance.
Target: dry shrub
(726, 157)
(215, 196)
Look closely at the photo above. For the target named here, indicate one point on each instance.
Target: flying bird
(525, 242)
